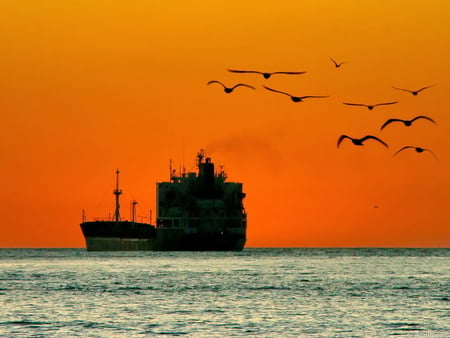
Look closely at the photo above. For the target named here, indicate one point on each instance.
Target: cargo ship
(195, 211)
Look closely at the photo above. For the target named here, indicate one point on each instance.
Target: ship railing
(110, 219)
(102, 219)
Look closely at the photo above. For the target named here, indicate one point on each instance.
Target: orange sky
(88, 86)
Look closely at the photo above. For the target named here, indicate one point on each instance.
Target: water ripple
(257, 292)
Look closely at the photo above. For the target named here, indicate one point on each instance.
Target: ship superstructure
(200, 211)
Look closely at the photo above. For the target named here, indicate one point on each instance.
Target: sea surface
(253, 293)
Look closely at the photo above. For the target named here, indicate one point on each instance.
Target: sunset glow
(91, 86)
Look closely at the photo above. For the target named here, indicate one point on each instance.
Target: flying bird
(266, 75)
(417, 149)
(336, 64)
(413, 92)
(230, 89)
(407, 123)
(369, 106)
(359, 141)
(294, 98)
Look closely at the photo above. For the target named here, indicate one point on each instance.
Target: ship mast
(117, 192)
(133, 210)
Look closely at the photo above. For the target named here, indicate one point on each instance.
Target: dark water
(257, 292)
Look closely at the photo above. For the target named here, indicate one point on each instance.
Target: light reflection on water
(259, 292)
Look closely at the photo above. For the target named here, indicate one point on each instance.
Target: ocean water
(256, 292)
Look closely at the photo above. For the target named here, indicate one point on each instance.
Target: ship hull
(183, 243)
(128, 236)
(179, 240)
(118, 244)
(118, 236)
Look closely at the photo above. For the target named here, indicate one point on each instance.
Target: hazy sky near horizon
(91, 86)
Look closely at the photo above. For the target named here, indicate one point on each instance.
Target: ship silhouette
(196, 211)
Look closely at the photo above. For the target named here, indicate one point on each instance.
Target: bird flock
(341, 138)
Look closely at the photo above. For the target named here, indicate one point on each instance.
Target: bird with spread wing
(266, 75)
(413, 92)
(417, 149)
(360, 141)
(370, 106)
(229, 90)
(407, 123)
(294, 98)
(336, 64)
